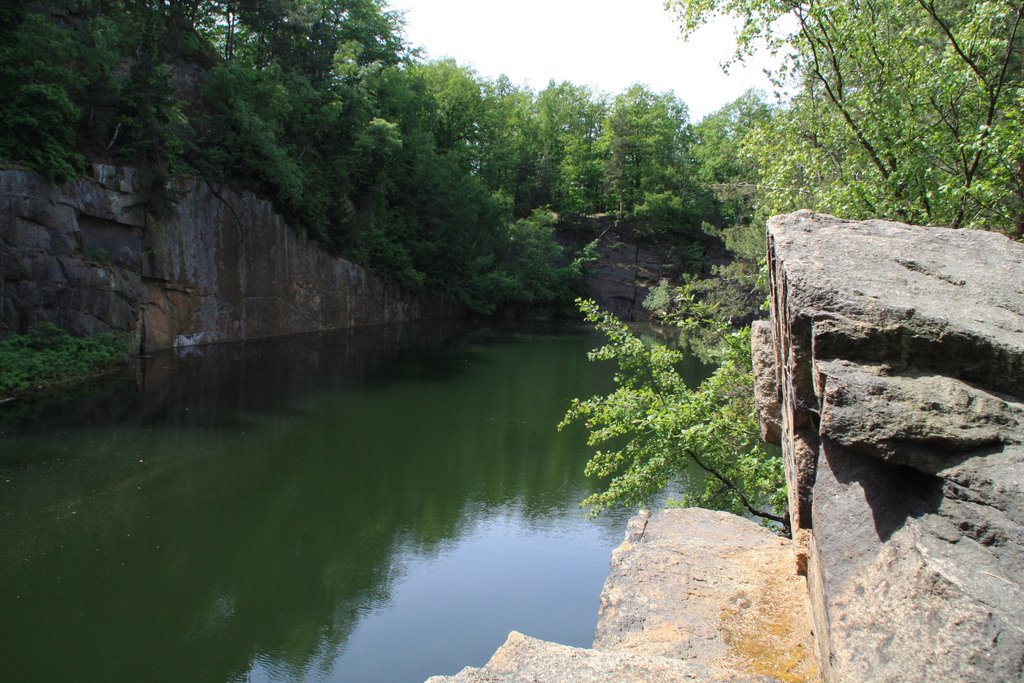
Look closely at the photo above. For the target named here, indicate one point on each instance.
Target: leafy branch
(653, 429)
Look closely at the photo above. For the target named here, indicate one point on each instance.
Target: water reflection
(302, 508)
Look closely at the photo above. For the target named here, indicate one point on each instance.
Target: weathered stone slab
(709, 588)
(925, 421)
(901, 365)
(911, 297)
(522, 658)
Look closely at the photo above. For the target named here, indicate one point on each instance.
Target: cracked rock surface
(900, 360)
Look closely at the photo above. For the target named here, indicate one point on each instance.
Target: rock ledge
(692, 595)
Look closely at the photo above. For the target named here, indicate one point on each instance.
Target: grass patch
(48, 356)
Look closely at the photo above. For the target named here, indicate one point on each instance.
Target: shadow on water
(238, 511)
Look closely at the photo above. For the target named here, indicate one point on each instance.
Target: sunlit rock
(901, 366)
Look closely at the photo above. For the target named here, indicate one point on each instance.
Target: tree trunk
(1018, 221)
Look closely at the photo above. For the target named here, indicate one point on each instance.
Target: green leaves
(37, 112)
(901, 109)
(653, 429)
(48, 356)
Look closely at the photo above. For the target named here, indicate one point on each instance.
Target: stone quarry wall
(892, 374)
(210, 266)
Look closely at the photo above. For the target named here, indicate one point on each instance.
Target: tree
(658, 430)
(908, 109)
(38, 114)
(570, 119)
(649, 164)
(459, 108)
(722, 161)
(510, 145)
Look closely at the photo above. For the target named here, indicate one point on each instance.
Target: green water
(381, 505)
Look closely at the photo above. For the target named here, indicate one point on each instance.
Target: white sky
(606, 44)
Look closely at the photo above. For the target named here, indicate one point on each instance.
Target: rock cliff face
(624, 274)
(625, 269)
(899, 358)
(93, 256)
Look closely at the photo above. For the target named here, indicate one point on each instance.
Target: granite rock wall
(208, 265)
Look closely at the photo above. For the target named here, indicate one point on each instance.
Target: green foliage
(98, 256)
(661, 214)
(905, 109)
(723, 161)
(536, 272)
(150, 118)
(242, 133)
(37, 112)
(648, 146)
(47, 356)
(655, 430)
(570, 158)
(509, 144)
(738, 288)
(425, 172)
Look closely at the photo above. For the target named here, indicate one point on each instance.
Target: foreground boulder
(709, 588)
(900, 368)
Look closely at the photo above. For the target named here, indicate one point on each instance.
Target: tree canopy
(422, 170)
(906, 109)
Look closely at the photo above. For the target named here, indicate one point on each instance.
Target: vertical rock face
(70, 255)
(766, 393)
(900, 358)
(214, 266)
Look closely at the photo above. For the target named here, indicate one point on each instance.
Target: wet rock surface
(901, 368)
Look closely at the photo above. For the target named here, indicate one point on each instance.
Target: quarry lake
(376, 505)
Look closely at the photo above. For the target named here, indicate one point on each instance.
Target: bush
(658, 431)
(47, 356)
(37, 114)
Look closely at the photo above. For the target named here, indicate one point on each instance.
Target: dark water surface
(381, 505)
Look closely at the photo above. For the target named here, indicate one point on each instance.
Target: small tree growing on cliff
(656, 430)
